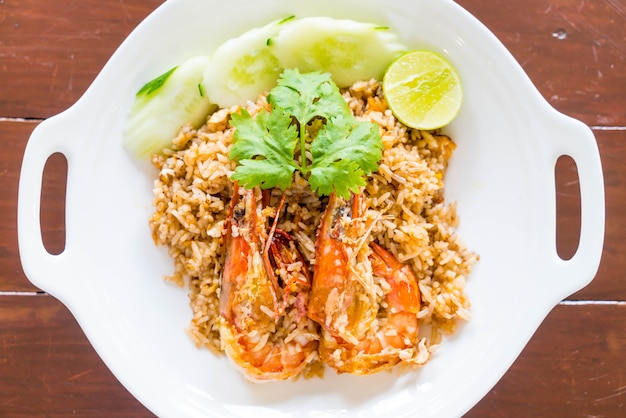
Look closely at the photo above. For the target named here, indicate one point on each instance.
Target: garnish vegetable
(309, 113)
(350, 51)
(243, 67)
(163, 105)
(423, 90)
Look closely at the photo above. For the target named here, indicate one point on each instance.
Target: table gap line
(593, 302)
(22, 293)
(608, 128)
(25, 119)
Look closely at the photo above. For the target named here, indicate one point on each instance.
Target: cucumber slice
(349, 50)
(242, 68)
(164, 105)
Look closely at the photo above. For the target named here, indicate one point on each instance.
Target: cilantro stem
(304, 169)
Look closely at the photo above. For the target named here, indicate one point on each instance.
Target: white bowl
(501, 175)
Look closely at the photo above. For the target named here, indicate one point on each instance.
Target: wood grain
(572, 367)
(13, 137)
(51, 51)
(48, 367)
(573, 51)
(609, 281)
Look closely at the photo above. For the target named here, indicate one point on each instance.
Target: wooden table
(573, 50)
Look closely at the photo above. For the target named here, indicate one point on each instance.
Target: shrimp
(264, 328)
(370, 287)
(341, 300)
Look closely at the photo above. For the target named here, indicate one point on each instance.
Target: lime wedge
(423, 90)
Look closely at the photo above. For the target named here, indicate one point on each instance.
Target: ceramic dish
(501, 176)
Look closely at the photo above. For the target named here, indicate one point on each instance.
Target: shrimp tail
(264, 285)
(364, 298)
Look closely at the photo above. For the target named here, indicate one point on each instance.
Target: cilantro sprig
(309, 112)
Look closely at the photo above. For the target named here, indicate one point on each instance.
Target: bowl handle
(40, 267)
(573, 138)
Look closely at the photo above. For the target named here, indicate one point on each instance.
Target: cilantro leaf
(308, 95)
(264, 148)
(251, 173)
(344, 140)
(342, 177)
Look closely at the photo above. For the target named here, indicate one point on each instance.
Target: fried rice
(415, 223)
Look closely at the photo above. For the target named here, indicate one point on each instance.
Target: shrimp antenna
(266, 258)
(274, 224)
